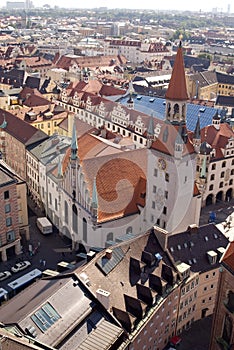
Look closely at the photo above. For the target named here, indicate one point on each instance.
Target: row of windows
(188, 300)
(187, 313)
(211, 287)
(222, 174)
(224, 164)
(190, 286)
(221, 185)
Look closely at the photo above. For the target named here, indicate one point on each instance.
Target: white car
(20, 266)
(4, 275)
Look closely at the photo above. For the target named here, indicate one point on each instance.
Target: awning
(175, 340)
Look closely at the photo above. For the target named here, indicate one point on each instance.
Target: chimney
(108, 254)
(193, 228)
(104, 297)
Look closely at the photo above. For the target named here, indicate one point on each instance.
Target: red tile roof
(168, 146)
(228, 257)
(120, 176)
(177, 89)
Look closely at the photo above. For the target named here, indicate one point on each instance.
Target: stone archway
(229, 195)
(219, 196)
(209, 199)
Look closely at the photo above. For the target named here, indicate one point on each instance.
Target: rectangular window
(166, 194)
(165, 210)
(166, 177)
(6, 195)
(56, 204)
(154, 189)
(153, 204)
(50, 198)
(8, 221)
(7, 208)
(155, 172)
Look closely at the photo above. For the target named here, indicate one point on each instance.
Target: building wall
(219, 181)
(170, 201)
(48, 126)
(9, 219)
(23, 209)
(206, 293)
(226, 89)
(15, 155)
(160, 326)
(223, 319)
(187, 303)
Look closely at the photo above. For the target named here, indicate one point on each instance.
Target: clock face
(162, 164)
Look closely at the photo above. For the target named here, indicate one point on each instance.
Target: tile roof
(168, 146)
(122, 279)
(192, 246)
(228, 257)
(157, 109)
(21, 130)
(225, 78)
(177, 89)
(89, 61)
(120, 176)
(218, 139)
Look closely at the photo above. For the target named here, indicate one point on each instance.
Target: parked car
(20, 266)
(4, 275)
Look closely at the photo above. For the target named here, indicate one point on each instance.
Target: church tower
(176, 95)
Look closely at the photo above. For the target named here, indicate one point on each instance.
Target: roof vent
(30, 330)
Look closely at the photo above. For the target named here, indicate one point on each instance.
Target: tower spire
(94, 203)
(176, 95)
(177, 89)
(74, 144)
(197, 131)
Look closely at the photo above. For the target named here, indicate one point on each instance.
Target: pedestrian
(44, 263)
(40, 262)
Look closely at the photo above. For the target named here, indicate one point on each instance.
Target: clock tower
(174, 203)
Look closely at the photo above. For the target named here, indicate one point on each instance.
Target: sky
(222, 6)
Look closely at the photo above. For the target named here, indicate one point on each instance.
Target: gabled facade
(215, 162)
(16, 137)
(14, 214)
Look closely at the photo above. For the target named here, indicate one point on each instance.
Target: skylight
(45, 317)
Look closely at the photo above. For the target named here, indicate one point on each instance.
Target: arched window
(85, 230)
(66, 212)
(74, 219)
(110, 236)
(211, 187)
(176, 109)
(129, 229)
(168, 109)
